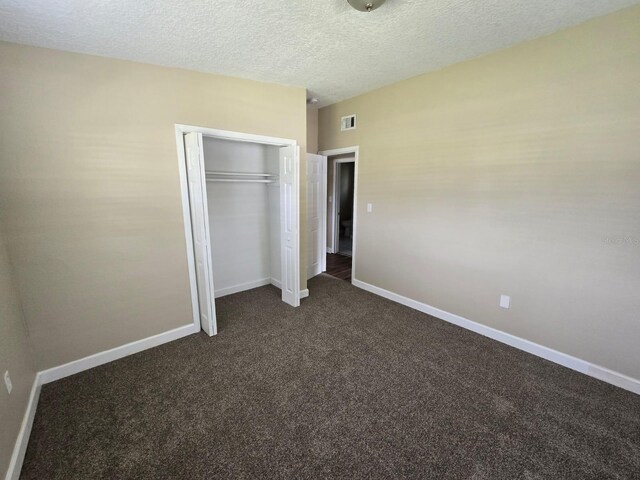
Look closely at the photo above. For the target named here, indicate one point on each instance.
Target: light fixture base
(365, 5)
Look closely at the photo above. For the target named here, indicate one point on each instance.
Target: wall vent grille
(348, 123)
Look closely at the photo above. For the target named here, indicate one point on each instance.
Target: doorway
(344, 182)
(342, 201)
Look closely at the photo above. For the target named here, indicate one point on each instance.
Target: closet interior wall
(244, 216)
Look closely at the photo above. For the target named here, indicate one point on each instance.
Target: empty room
(320, 239)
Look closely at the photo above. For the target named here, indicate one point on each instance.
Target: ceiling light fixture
(365, 5)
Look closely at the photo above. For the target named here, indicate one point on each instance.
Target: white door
(289, 234)
(200, 226)
(316, 214)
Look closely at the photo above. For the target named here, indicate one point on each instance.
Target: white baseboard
(614, 378)
(260, 283)
(20, 448)
(86, 363)
(276, 283)
(71, 368)
(582, 366)
(222, 292)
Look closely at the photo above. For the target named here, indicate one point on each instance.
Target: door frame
(180, 131)
(355, 150)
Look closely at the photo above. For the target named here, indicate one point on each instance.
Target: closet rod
(240, 174)
(241, 180)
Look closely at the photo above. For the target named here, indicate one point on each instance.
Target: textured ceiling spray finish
(326, 46)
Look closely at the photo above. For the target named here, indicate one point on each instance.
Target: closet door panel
(289, 233)
(200, 228)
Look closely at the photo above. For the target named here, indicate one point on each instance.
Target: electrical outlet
(7, 381)
(369, 207)
(505, 301)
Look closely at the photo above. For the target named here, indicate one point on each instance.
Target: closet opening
(240, 195)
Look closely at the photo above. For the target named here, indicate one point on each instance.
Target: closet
(243, 199)
(243, 210)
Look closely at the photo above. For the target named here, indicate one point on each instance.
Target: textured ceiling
(324, 45)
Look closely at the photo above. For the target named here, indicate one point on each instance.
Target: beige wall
(15, 357)
(90, 194)
(516, 173)
(312, 130)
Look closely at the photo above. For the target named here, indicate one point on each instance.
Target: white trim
(236, 136)
(296, 185)
(340, 151)
(258, 283)
(323, 209)
(86, 363)
(56, 373)
(20, 448)
(222, 292)
(579, 365)
(276, 283)
(355, 150)
(614, 378)
(335, 205)
(77, 366)
(188, 235)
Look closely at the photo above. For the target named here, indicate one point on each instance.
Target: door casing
(355, 150)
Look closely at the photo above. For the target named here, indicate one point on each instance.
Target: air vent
(348, 123)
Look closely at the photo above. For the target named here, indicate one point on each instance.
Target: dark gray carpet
(349, 385)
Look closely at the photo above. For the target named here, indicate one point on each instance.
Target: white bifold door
(316, 214)
(289, 231)
(200, 229)
(289, 190)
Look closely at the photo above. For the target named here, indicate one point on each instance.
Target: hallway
(339, 266)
